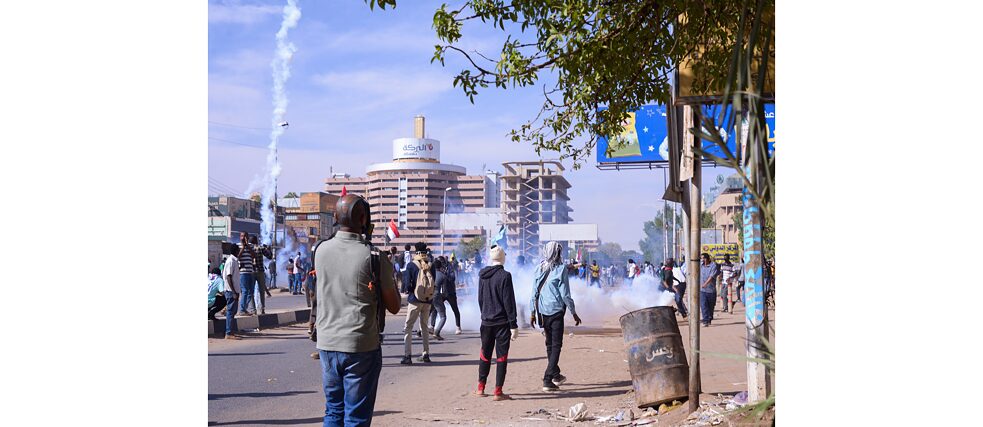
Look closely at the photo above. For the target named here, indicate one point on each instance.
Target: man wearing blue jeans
(231, 291)
(354, 284)
(246, 279)
(709, 271)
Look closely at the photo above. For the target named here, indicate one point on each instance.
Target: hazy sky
(358, 78)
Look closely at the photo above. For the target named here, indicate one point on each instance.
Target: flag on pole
(344, 191)
(391, 230)
(500, 237)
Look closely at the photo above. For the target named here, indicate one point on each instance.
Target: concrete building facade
(414, 189)
(311, 217)
(725, 206)
(533, 193)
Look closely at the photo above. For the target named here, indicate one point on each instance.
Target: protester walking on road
(438, 312)
(709, 272)
(419, 288)
(595, 274)
(496, 301)
(679, 276)
(247, 279)
(632, 271)
(550, 301)
(231, 277)
(261, 292)
(298, 275)
(352, 279)
(216, 291)
(290, 276)
(726, 273)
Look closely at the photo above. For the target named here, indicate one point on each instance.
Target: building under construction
(533, 193)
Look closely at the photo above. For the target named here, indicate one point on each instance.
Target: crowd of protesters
(346, 274)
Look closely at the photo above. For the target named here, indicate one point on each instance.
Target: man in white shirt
(632, 269)
(231, 291)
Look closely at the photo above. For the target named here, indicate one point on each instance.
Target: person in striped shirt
(246, 260)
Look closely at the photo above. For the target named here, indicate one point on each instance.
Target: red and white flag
(344, 191)
(391, 230)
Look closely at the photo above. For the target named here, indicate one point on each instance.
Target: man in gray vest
(351, 280)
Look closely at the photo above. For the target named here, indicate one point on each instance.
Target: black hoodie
(496, 297)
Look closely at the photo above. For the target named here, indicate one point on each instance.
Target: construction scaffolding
(533, 193)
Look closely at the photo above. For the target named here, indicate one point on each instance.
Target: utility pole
(693, 208)
(756, 314)
(675, 237)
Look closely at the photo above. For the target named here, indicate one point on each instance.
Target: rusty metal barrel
(656, 358)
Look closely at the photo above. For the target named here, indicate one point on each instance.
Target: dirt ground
(594, 361)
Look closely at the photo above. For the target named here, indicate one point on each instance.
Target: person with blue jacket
(550, 300)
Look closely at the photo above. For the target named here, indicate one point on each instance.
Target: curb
(216, 327)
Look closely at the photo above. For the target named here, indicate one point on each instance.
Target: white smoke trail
(281, 72)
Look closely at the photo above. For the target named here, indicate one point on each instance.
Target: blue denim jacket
(556, 292)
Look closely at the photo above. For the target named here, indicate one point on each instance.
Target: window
(313, 216)
(290, 217)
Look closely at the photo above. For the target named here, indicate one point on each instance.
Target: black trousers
(452, 299)
(216, 306)
(498, 337)
(553, 326)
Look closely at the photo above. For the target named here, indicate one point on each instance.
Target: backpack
(425, 287)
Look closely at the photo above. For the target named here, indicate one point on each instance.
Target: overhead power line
(236, 143)
(237, 126)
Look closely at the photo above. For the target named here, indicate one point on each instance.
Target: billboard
(416, 148)
(568, 232)
(730, 135)
(718, 250)
(645, 136)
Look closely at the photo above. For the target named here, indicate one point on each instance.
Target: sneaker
(458, 331)
(549, 386)
(437, 337)
(418, 334)
(232, 337)
(501, 396)
(425, 358)
(559, 379)
(406, 361)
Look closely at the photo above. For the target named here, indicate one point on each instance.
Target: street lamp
(442, 251)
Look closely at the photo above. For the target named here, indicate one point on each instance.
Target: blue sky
(357, 79)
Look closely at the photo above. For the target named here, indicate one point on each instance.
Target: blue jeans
(230, 313)
(290, 282)
(247, 283)
(707, 301)
(350, 384)
(680, 293)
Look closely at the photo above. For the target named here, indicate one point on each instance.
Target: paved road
(285, 301)
(270, 379)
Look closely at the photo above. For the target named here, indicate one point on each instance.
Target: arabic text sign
(718, 250)
(730, 135)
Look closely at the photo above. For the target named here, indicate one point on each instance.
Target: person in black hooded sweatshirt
(496, 299)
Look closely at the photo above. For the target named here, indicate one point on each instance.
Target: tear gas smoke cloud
(281, 72)
(594, 306)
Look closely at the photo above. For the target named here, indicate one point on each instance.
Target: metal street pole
(675, 237)
(693, 262)
(444, 212)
